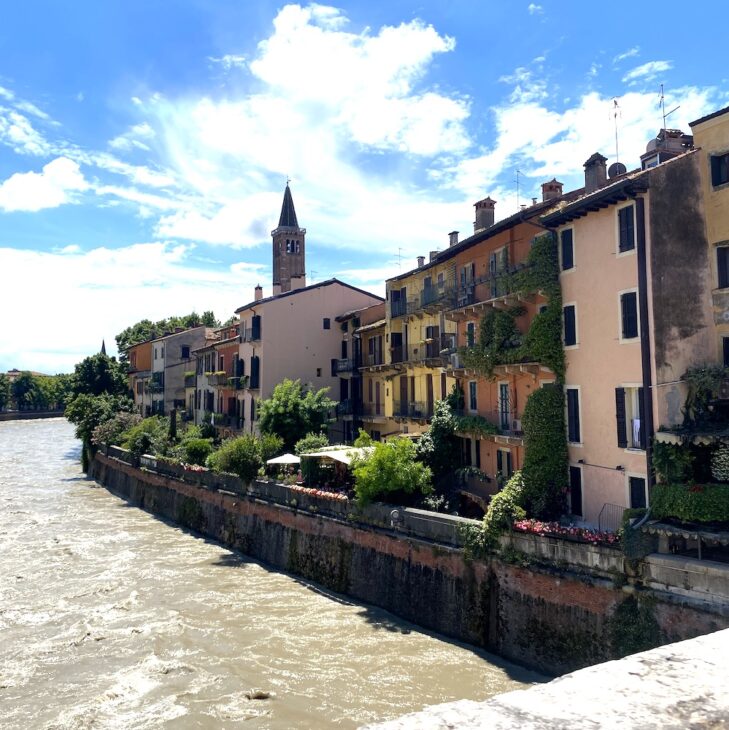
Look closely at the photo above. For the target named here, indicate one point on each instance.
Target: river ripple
(110, 618)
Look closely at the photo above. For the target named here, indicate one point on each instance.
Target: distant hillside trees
(32, 392)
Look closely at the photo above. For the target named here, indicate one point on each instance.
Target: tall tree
(293, 411)
(99, 374)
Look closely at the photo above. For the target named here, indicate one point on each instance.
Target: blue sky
(145, 145)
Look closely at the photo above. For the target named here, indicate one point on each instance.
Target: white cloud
(94, 295)
(229, 61)
(55, 185)
(630, 53)
(135, 138)
(535, 9)
(18, 133)
(647, 71)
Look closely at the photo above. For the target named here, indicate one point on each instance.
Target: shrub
(111, 432)
(270, 445)
(310, 443)
(363, 439)
(241, 456)
(697, 503)
(390, 470)
(505, 508)
(196, 450)
(149, 436)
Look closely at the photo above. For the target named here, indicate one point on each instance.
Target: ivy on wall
(500, 341)
(545, 458)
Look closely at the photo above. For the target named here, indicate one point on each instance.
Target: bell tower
(289, 249)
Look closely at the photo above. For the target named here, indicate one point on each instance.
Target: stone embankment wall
(554, 618)
(24, 415)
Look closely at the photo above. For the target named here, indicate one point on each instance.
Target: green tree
(293, 411)
(22, 391)
(241, 456)
(99, 374)
(4, 391)
(438, 446)
(391, 471)
(310, 443)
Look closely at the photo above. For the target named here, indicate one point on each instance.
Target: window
(720, 169)
(471, 334)
(327, 323)
(318, 372)
(504, 466)
(443, 386)
(629, 315)
(155, 353)
(567, 248)
(570, 325)
(722, 266)
(369, 391)
(253, 409)
(185, 352)
(573, 415)
(576, 491)
(629, 417)
(472, 395)
(298, 247)
(725, 350)
(636, 486)
(626, 228)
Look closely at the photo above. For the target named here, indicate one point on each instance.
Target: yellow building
(711, 138)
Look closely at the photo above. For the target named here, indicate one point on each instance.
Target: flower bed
(580, 534)
(319, 493)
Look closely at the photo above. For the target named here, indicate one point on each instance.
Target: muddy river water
(111, 618)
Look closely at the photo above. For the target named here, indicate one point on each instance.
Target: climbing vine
(500, 341)
(703, 384)
(545, 457)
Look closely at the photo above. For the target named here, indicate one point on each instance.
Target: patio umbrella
(284, 459)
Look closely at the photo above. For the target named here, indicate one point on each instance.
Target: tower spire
(289, 248)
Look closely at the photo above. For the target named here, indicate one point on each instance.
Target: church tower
(289, 249)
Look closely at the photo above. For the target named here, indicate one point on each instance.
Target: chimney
(484, 214)
(551, 189)
(595, 173)
(453, 238)
(433, 254)
(259, 293)
(421, 261)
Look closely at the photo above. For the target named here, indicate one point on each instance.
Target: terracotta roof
(293, 292)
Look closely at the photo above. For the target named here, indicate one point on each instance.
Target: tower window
(298, 247)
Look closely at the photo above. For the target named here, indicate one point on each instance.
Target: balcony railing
(344, 365)
(218, 379)
(238, 382)
(373, 409)
(434, 298)
(412, 409)
(374, 359)
(345, 407)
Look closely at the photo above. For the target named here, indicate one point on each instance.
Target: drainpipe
(645, 345)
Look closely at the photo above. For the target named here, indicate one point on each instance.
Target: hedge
(691, 503)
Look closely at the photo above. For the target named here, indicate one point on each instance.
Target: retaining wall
(547, 617)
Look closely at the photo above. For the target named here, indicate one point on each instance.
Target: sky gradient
(145, 145)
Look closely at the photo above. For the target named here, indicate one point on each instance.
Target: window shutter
(568, 258)
(570, 331)
(629, 306)
(620, 417)
(508, 464)
(499, 461)
(722, 261)
(627, 228)
(641, 415)
(256, 327)
(573, 414)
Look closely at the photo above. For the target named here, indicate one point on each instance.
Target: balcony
(401, 307)
(190, 380)
(412, 409)
(373, 410)
(218, 379)
(376, 358)
(238, 382)
(496, 289)
(345, 408)
(435, 348)
(344, 365)
(438, 297)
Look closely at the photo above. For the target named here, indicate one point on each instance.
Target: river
(111, 618)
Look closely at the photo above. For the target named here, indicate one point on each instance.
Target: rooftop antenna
(399, 259)
(616, 113)
(518, 172)
(313, 275)
(663, 108)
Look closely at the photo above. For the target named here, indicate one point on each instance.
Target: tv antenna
(616, 113)
(518, 173)
(663, 108)
(399, 259)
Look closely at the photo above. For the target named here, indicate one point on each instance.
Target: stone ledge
(679, 686)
